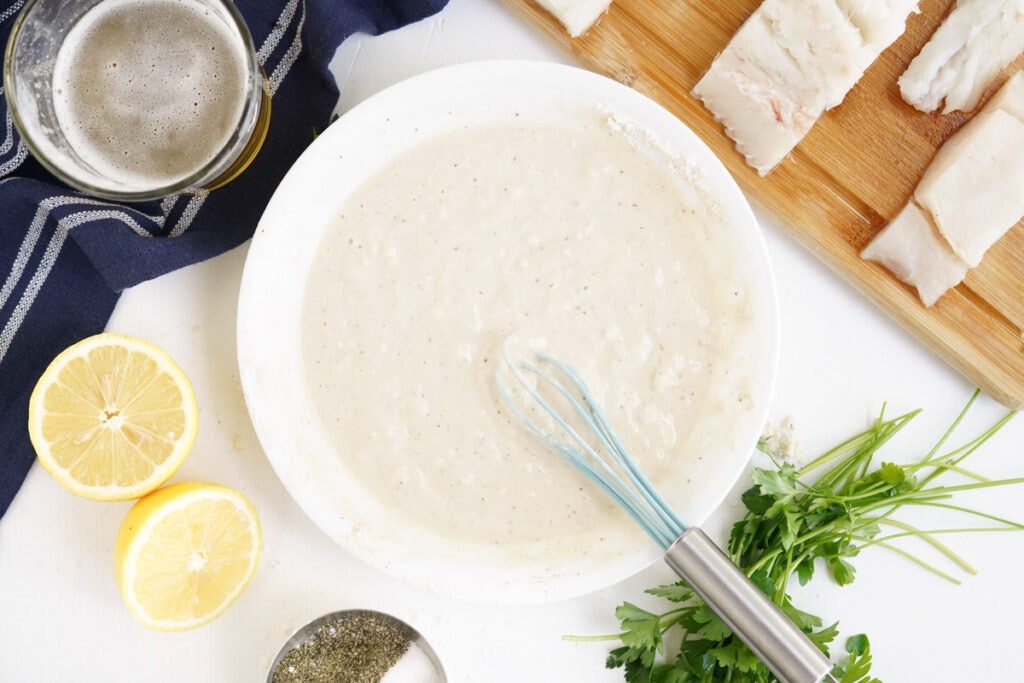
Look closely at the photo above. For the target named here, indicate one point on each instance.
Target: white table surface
(61, 618)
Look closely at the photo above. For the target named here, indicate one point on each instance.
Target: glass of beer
(136, 99)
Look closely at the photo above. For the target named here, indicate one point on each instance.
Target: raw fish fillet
(961, 59)
(974, 188)
(880, 22)
(1009, 97)
(789, 62)
(915, 252)
(576, 15)
(968, 198)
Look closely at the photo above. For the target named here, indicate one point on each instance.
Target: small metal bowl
(360, 630)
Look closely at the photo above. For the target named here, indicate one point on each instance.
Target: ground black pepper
(356, 647)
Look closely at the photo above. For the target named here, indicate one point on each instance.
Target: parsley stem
(1009, 523)
(921, 563)
(947, 466)
(592, 639)
(988, 483)
(957, 456)
(862, 446)
(926, 536)
(925, 496)
(952, 427)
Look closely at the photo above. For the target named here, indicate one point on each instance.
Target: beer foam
(147, 92)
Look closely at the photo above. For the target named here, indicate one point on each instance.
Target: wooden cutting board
(852, 173)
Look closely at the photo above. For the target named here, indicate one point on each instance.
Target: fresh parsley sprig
(794, 524)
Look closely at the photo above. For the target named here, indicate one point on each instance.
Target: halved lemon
(184, 554)
(112, 417)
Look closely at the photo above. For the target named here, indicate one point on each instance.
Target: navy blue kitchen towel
(65, 257)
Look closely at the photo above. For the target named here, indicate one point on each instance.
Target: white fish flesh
(788, 63)
(576, 15)
(964, 55)
(917, 254)
(880, 22)
(1009, 97)
(974, 188)
(968, 198)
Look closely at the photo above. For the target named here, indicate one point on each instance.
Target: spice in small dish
(357, 646)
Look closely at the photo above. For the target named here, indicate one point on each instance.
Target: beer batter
(578, 243)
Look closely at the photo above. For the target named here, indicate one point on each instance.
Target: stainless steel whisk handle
(755, 619)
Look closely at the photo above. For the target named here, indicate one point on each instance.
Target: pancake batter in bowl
(584, 242)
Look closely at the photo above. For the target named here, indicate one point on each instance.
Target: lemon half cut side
(112, 417)
(185, 553)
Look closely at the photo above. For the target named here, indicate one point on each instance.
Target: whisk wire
(565, 451)
(602, 425)
(638, 497)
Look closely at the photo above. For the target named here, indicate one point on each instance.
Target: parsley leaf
(858, 666)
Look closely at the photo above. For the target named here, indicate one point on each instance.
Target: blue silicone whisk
(755, 619)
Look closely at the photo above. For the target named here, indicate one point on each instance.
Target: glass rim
(256, 98)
